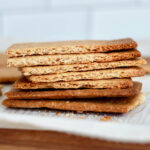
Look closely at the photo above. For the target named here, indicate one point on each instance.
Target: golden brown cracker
(8, 75)
(113, 105)
(72, 94)
(0, 90)
(69, 47)
(90, 75)
(146, 67)
(3, 60)
(39, 70)
(106, 118)
(71, 59)
(23, 83)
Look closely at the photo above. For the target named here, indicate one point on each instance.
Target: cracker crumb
(70, 115)
(82, 117)
(58, 114)
(105, 118)
(95, 116)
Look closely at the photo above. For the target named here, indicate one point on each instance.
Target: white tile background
(46, 25)
(46, 20)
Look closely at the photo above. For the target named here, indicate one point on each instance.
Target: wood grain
(11, 139)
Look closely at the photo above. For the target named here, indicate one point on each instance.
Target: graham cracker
(90, 75)
(111, 105)
(0, 90)
(146, 67)
(38, 70)
(7, 75)
(71, 58)
(69, 47)
(72, 94)
(23, 83)
(3, 60)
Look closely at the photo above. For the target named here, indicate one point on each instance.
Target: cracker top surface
(64, 47)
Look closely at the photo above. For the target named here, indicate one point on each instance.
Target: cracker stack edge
(88, 75)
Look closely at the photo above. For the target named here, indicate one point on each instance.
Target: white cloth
(131, 127)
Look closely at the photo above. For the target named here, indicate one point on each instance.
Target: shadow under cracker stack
(87, 75)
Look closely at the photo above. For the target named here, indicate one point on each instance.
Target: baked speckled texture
(23, 83)
(90, 75)
(71, 94)
(69, 47)
(71, 58)
(113, 105)
(39, 70)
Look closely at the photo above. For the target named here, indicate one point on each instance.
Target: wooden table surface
(11, 139)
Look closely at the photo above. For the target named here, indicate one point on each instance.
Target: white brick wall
(121, 23)
(20, 4)
(46, 26)
(144, 1)
(1, 25)
(89, 3)
(74, 19)
(45, 20)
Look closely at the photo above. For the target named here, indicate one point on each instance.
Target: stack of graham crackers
(77, 75)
